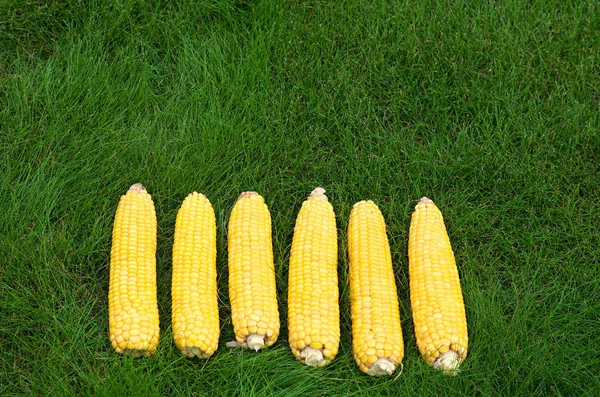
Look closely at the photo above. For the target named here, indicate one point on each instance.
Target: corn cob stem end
(247, 194)
(318, 192)
(255, 342)
(137, 187)
(252, 341)
(448, 362)
(312, 357)
(382, 366)
(195, 352)
(136, 352)
(425, 200)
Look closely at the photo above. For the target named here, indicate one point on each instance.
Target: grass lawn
(490, 108)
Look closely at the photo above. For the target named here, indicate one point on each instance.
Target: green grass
(490, 108)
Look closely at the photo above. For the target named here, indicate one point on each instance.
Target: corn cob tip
(382, 366)
(318, 192)
(448, 362)
(194, 193)
(247, 194)
(312, 357)
(363, 202)
(425, 200)
(137, 187)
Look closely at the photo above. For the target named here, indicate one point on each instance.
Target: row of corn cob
(313, 309)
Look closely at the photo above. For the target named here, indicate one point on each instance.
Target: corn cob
(132, 304)
(435, 293)
(252, 290)
(377, 342)
(313, 309)
(194, 286)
